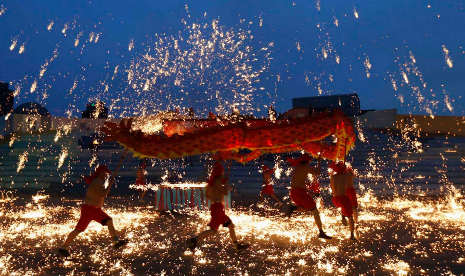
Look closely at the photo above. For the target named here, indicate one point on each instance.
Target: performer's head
(305, 159)
(218, 156)
(340, 167)
(302, 160)
(267, 170)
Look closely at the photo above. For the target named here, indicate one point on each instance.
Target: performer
(300, 194)
(217, 188)
(344, 195)
(267, 187)
(99, 184)
(141, 180)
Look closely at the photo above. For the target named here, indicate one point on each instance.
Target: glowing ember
(21, 49)
(399, 267)
(13, 44)
(61, 159)
(447, 57)
(367, 66)
(22, 161)
(33, 86)
(356, 13)
(411, 203)
(39, 226)
(65, 28)
(50, 25)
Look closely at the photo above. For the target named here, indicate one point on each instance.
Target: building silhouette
(6, 99)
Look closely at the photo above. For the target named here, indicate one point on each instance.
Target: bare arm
(116, 171)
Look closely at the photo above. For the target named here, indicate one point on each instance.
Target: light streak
(367, 66)
(50, 25)
(21, 49)
(404, 75)
(65, 28)
(22, 161)
(62, 157)
(447, 57)
(356, 13)
(13, 44)
(204, 54)
(33, 86)
(2, 10)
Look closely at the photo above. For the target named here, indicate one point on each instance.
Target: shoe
(120, 243)
(291, 209)
(323, 235)
(241, 246)
(63, 252)
(192, 243)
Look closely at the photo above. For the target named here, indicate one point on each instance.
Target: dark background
(388, 33)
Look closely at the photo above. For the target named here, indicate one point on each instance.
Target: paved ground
(396, 236)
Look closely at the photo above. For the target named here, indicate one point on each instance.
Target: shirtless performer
(344, 196)
(97, 190)
(267, 188)
(299, 193)
(217, 188)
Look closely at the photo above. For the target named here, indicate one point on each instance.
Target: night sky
(399, 54)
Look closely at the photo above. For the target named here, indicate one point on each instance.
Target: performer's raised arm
(116, 171)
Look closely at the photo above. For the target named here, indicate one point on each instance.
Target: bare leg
(351, 227)
(316, 215)
(318, 223)
(117, 242)
(355, 212)
(142, 194)
(232, 233)
(111, 230)
(71, 237)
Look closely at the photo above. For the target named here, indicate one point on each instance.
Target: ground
(421, 235)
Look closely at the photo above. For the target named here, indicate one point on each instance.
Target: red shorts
(301, 198)
(90, 213)
(140, 182)
(218, 216)
(268, 190)
(350, 193)
(343, 202)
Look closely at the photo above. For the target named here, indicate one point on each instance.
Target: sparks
(355, 13)
(50, 26)
(13, 44)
